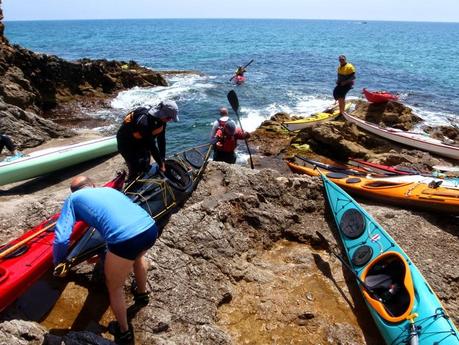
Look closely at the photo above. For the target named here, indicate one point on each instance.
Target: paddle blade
(233, 100)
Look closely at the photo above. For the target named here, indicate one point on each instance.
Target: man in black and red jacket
(143, 132)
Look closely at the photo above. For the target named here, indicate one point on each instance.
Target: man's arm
(158, 151)
(349, 79)
(63, 231)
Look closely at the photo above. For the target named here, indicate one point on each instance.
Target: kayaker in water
(129, 232)
(240, 71)
(344, 82)
(5, 141)
(143, 132)
(226, 139)
(219, 123)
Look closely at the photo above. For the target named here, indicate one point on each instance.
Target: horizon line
(227, 18)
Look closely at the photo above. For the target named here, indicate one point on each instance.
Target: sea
(294, 67)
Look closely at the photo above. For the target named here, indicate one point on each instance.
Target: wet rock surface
(239, 263)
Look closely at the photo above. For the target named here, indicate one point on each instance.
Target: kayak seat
(386, 279)
(382, 184)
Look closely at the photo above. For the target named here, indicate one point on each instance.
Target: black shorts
(340, 91)
(131, 248)
(228, 157)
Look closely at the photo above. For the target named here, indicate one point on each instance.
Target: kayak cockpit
(389, 278)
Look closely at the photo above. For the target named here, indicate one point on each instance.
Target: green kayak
(45, 161)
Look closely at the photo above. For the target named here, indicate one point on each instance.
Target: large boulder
(390, 114)
(26, 128)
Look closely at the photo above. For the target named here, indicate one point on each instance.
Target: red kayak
(379, 96)
(239, 79)
(24, 260)
(387, 168)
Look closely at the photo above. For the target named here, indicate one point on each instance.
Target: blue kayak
(403, 305)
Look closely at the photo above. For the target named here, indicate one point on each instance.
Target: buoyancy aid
(142, 124)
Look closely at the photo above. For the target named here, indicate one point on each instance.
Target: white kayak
(418, 141)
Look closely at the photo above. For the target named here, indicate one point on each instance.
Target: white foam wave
(251, 118)
(183, 87)
(433, 119)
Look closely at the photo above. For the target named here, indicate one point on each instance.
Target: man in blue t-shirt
(129, 232)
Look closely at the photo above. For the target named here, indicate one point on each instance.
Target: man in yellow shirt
(344, 82)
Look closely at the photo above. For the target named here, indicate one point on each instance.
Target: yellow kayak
(316, 118)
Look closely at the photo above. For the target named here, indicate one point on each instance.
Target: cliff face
(33, 83)
(2, 38)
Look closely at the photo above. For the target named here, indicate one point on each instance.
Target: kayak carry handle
(4, 273)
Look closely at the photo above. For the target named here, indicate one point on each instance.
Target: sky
(402, 10)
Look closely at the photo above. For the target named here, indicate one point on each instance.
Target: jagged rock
(19, 332)
(390, 114)
(448, 134)
(26, 128)
(2, 27)
(37, 83)
(242, 244)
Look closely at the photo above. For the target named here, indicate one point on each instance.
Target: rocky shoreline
(241, 261)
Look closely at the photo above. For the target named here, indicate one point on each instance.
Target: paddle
(331, 167)
(332, 250)
(234, 101)
(246, 65)
(13, 248)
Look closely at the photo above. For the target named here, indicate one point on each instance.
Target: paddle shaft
(330, 167)
(11, 249)
(234, 101)
(349, 268)
(246, 65)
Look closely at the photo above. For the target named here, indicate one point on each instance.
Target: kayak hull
(417, 141)
(45, 161)
(378, 96)
(414, 298)
(25, 266)
(239, 79)
(327, 115)
(407, 190)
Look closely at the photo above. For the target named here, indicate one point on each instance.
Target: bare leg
(117, 270)
(341, 105)
(140, 272)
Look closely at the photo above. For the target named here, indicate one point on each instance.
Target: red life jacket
(228, 142)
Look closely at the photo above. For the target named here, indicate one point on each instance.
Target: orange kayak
(409, 194)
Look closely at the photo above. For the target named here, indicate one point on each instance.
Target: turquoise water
(294, 69)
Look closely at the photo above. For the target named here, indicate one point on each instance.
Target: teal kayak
(403, 305)
(45, 161)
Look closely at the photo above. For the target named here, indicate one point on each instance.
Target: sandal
(122, 338)
(141, 298)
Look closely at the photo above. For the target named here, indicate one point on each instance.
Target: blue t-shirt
(111, 212)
